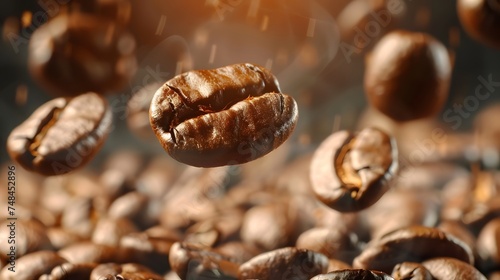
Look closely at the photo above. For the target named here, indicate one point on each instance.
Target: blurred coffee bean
(119, 11)
(353, 274)
(334, 264)
(284, 263)
(132, 206)
(268, 227)
(460, 231)
(61, 135)
(79, 217)
(451, 268)
(191, 262)
(150, 248)
(408, 75)
(411, 271)
(488, 246)
(126, 161)
(60, 238)
(128, 271)
(350, 172)
(158, 177)
(109, 231)
(69, 271)
(32, 266)
(215, 230)
(332, 242)
(411, 244)
(27, 236)
(488, 132)
(481, 20)
(237, 250)
(88, 252)
(494, 276)
(89, 53)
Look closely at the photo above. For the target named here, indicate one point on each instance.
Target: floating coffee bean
(350, 172)
(411, 271)
(408, 75)
(411, 244)
(450, 268)
(32, 266)
(481, 20)
(192, 262)
(284, 263)
(223, 116)
(88, 53)
(61, 135)
(353, 274)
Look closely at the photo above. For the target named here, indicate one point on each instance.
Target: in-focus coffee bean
(350, 172)
(408, 75)
(61, 135)
(223, 116)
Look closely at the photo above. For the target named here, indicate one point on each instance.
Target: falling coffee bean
(61, 135)
(350, 172)
(481, 20)
(408, 76)
(223, 116)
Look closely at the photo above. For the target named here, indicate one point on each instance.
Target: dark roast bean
(411, 244)
(451, 268)
(411, 271)
(284, 263)
(408, 75)
(69, 271)
(481, 20)
(350, 172)
(32, 266)
(61, 135)
(223, 116)
(353, 274)
(191, 262)
(76, 53)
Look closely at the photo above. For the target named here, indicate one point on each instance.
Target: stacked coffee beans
(349, 209)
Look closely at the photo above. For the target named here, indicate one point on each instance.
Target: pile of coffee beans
(235, 195)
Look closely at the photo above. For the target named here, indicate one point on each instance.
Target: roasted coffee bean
(79, 217)
(60, 238)
(353, 274)
(192, 262)
(223, 116)
(284, 263)
(29, 236)
(128, 271)
(408, 75)
(61, 135)
(350, 172)
(237, 250)
(334, 264)
(481, 20)
(411, 244)
(411, 271)
(331, 242)
(32, 266)
(88, 53)
(69, 271)
(88, 252)
(451, 268)
(109, 231)
(488, 244)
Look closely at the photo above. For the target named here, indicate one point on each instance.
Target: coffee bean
(109, 231)
(353, 274)
(411, 244)
(350, 172)
(30, 236)
(76, 53)
(224, 116)
(128, 271)
(451, 268)
(408, 75)
(69, 271)
(331, 242)
(411, 271)
(284, 263)
(60, 238)
(32, 266)
(334, 264)
(61, 135)
(488, 243)
(192, 262)
(88, 252)
(237, 250)
(481, 20)
(117, 10)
